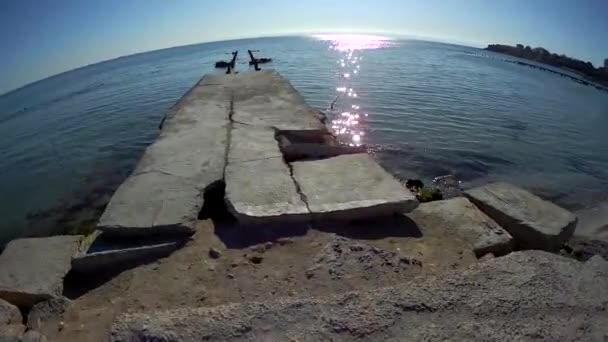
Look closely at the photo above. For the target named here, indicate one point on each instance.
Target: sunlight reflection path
(348, 117)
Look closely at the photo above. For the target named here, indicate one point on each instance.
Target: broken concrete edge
(21, 299)
(359, 210)
(178, 230)
(525, 236)
(92, 262)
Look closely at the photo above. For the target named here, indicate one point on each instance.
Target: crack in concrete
(228, 134)
(298, 188)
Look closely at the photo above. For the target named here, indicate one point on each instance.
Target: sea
(423, 109)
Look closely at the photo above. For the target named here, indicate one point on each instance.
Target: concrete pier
(226, 128)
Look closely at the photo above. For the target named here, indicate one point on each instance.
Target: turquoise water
(432, 109)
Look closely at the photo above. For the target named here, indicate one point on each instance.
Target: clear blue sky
(45, 37)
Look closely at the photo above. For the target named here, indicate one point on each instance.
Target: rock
(33, 269)
(448, 185)
(366, 190)
(414, 185)
(48, 311)
(533, 222)
(262, 191)
(113, 258)
(164, 195)
(284, 241)
(343, 257)
(12, 333)
(429, 195)
(214, 253)
(583, 249)
(487, 257)
(9, 314)
(256, 259)
(460, 217)
(33, 336)
(530, 295)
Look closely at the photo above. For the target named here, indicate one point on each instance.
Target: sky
(40, 38)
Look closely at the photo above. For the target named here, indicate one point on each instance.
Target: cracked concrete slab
(532, 221)
(248, 143)
(266, 99)
(462, 218)
(351, 187)
(165, 192)
(32, 269)
(262, 191)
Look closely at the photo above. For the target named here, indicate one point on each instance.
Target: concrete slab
(530, 295)
(266, 99)
(165, 192)
(116, 258)
(460, 217)
(32, 270)
(249, 143)
(351, 187)
(262, 191)
(532, 221)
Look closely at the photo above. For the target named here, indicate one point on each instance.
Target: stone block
(351, 187)
(532, 221)
(460, 217)
(32, 270)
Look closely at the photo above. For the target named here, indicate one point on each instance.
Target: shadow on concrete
(373, 229)
(76, 284)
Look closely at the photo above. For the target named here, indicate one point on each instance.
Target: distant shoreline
(540, 55)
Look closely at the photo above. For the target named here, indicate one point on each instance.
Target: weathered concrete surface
(461, 217)
(533, 222)
(115, 258)
(164, 193)
(268, 100)
(32, 270)
(252, 143)
(262, 191)
(9, 314)
(351, 187)
(531, 295)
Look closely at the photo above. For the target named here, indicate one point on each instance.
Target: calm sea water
(424, 109)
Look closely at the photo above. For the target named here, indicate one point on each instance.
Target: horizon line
(310, 34)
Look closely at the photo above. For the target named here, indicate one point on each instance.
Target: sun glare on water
(351, 42)
(348, 120)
